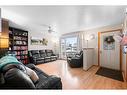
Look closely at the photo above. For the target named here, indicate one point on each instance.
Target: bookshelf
(18, 43)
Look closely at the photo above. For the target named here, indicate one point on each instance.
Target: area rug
(110, 73)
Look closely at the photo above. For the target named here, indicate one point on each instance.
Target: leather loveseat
(41, 56)
(12, 76)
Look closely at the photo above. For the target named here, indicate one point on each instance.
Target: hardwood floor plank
(77, 78)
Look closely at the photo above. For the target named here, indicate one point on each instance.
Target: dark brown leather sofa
(41, 56)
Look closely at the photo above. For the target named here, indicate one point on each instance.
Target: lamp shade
(4, 42)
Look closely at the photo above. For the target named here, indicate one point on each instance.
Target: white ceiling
(63, 19)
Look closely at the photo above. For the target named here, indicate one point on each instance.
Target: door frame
(99, 36)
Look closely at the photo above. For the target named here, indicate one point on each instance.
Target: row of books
(19, 33)
(21, 57)
(19, 38)
(20, 47)
(21, 53)
(20, 43)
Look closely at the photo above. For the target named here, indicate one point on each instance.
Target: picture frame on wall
(38, 41)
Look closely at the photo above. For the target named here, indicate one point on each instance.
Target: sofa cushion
(36, 56)
(40, 58)
(48, 52)
(42, 53)
(47, 57)
(34, 77)
(53, 56)
(35, 53)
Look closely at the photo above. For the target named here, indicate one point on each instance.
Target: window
(69, 46)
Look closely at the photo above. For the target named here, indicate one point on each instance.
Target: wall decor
(108, 43)
(38, 41)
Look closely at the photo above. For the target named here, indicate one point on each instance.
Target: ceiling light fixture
(50, 29)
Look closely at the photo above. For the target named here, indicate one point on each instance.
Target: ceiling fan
(50, 30)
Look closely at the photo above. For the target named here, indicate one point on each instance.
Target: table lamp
(4, 44)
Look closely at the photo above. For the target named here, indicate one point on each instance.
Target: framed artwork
(38, 41)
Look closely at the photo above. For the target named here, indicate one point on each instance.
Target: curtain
(81, 40)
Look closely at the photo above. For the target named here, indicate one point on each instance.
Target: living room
(74, 47)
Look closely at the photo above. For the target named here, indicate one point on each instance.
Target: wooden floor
(77, 78)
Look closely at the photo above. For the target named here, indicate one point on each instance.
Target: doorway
(109, 51)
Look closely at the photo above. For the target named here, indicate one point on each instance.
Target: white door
(109, 51)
